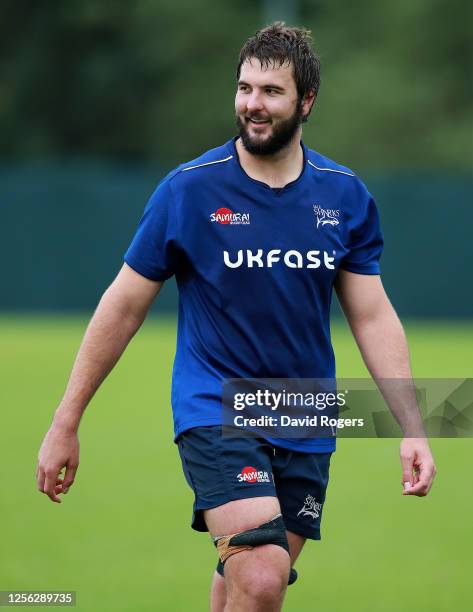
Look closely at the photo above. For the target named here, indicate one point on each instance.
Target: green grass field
(122, 537)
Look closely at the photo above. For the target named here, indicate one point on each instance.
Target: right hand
(60, 449)
(418, 468)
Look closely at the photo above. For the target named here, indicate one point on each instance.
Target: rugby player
(258, 232)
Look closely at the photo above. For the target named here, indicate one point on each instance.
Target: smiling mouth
(258, 121)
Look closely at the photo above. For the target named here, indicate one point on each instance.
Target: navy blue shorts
(220, 470)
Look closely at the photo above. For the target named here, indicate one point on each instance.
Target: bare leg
(256, 579)
(218, 593)
(296, 542)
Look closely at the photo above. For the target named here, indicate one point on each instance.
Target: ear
(307, 103)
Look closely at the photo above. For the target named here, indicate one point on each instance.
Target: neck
(275, 170)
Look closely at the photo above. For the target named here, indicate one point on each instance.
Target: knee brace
(272, 532)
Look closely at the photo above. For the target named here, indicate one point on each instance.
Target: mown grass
(122, 537)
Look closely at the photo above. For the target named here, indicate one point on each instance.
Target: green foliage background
(143, 79)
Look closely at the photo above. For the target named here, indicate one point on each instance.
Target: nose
(254, 102)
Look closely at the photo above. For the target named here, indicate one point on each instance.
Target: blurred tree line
(154, 80)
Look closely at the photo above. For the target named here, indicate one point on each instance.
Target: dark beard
(280, 138)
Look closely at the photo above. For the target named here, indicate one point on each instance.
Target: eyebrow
(267, 86)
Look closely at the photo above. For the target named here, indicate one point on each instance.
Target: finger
(40, 477)
(69, 477)
(49, 486)
(424, 482)
(407, 461)
(420, 489)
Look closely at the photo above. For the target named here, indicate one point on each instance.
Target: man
(257, 233)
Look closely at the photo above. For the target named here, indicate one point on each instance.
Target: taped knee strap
(292, 574)
(272, 532)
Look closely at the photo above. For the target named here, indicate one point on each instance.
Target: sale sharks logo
(326, 216)
(310, 508)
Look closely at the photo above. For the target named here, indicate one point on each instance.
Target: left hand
(418, 468)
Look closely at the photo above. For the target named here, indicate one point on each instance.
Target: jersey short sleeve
(365, 243)
(153, 251)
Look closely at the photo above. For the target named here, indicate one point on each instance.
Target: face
(268, 109)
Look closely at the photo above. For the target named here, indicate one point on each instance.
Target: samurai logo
(310, 508)
(226, 216)
(252, 475)
(326, 216)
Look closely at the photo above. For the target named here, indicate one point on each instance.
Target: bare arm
(383, 346)
(118, 316)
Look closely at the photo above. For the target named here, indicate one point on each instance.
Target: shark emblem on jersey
(326, 216)
(310, 508)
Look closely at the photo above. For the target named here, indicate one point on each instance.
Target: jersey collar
(277, 190)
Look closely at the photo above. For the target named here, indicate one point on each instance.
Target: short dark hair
(280, 44)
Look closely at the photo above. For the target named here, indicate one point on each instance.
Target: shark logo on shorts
(310, 508)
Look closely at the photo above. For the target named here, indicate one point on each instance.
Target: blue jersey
(255, 268)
